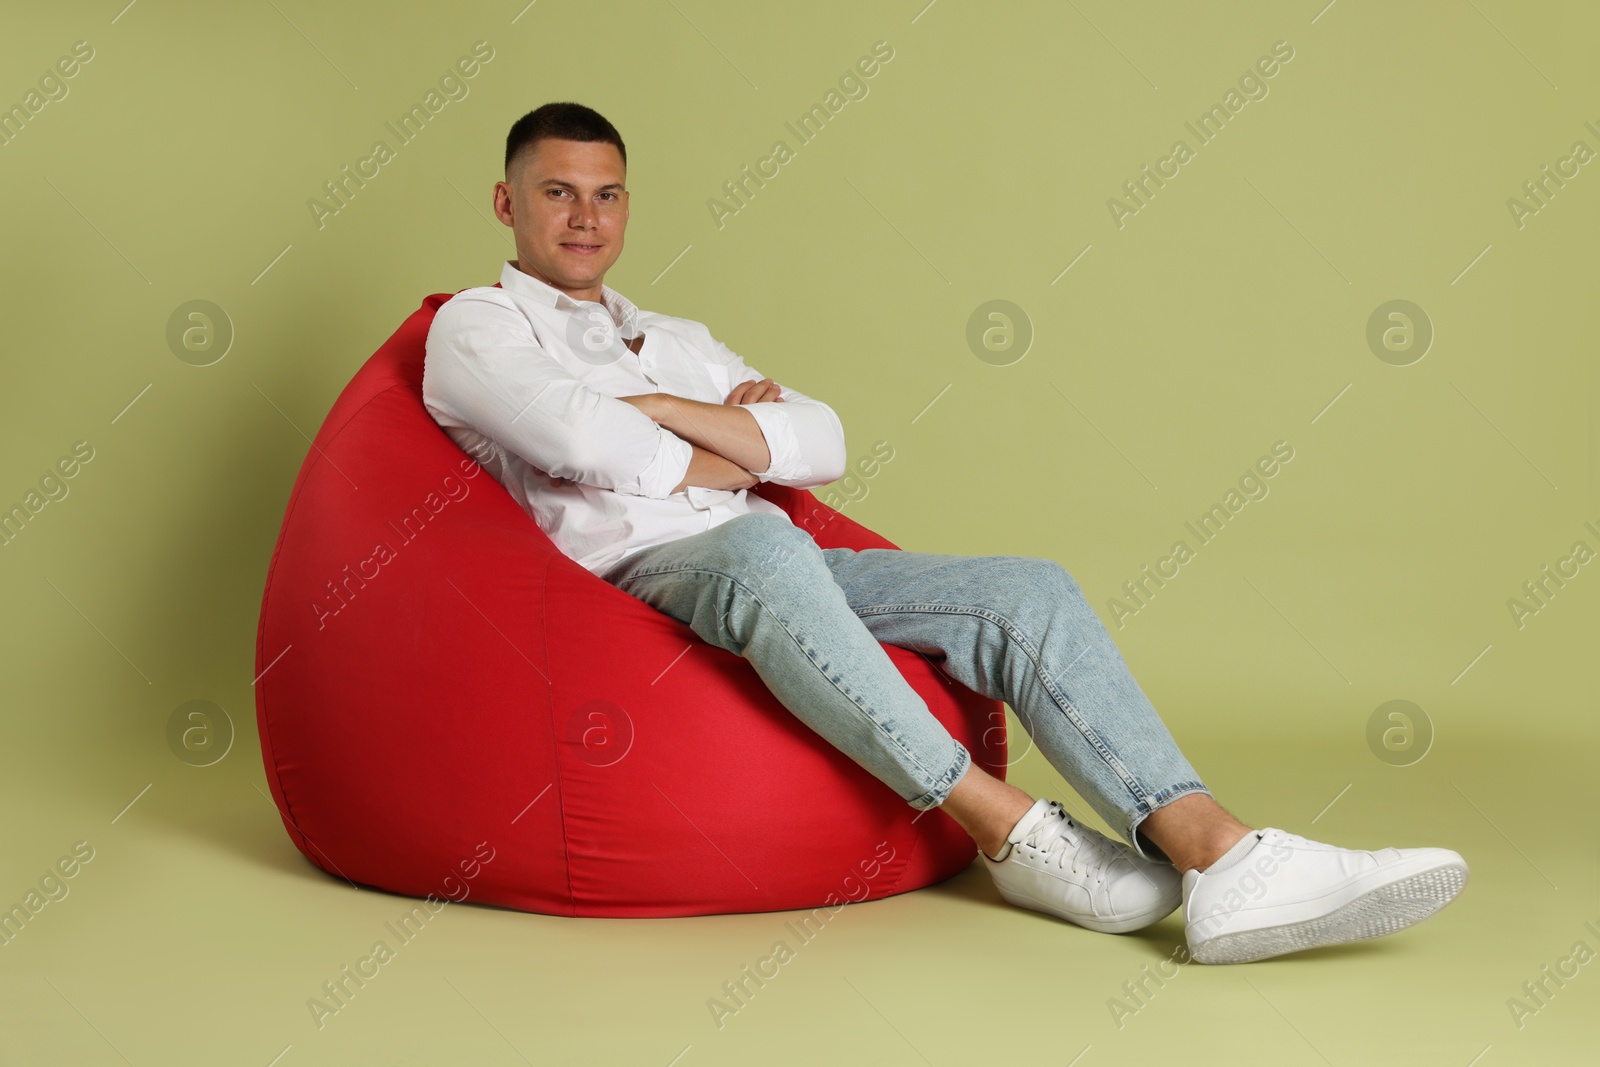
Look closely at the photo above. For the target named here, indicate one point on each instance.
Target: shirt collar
(621, 308)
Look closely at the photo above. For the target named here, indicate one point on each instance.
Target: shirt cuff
(666, 469)
(782, 443)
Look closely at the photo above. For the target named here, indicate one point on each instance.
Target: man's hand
(754, 392)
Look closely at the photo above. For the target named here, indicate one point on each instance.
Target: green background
(1229, 313)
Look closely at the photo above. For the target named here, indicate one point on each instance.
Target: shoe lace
(1061, 840)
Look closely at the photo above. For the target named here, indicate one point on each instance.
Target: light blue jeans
(1012, 628)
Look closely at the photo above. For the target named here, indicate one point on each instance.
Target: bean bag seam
(916, 839)
(550, 709)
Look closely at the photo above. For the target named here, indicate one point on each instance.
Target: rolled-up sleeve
(804, 435)
(485, 370)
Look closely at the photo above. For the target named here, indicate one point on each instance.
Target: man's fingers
(745, 393)
(754, 392)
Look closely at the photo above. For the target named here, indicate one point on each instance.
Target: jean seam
(1010, 628)
(822, 669)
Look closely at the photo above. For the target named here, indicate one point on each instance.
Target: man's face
(567, 206)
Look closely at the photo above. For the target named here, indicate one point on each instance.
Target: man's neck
(595, 294)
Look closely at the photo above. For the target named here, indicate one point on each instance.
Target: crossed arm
(487, 379)
(728, 443)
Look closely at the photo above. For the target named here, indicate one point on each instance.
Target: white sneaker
(1053, 864)
(1286, 893)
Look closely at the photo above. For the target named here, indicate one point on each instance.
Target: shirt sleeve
(804, 435)
(485, 370)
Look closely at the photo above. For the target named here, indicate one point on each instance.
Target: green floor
(198, 935)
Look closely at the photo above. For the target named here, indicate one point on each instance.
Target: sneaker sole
(1088, 922)
(1375, 913)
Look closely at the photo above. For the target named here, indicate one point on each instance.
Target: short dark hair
(564, 121)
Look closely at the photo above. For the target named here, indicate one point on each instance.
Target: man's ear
(511, 199)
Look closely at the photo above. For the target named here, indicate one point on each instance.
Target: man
(632, 439)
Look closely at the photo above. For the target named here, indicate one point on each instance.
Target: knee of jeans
(1047, 578)
(762, 545)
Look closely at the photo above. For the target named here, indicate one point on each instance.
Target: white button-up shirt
(523, 378)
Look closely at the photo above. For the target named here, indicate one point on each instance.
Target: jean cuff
(1145, 847)
(947, 781)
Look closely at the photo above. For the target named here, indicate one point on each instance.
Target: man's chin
(567, 271)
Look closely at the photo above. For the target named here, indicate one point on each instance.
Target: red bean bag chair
(450, 707)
